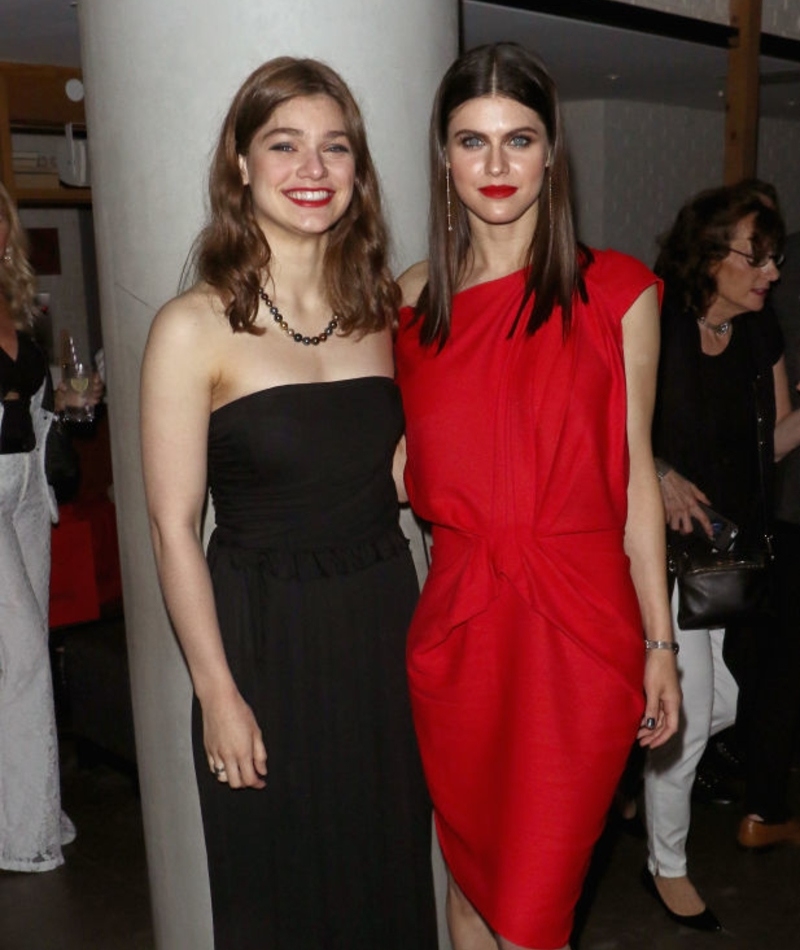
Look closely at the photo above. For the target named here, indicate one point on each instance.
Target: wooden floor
(98, 900)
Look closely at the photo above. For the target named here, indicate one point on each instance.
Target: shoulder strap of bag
(761, 443)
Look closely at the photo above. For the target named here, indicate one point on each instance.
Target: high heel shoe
(705, 920)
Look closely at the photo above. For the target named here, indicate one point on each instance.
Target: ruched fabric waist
(288, 563)
(576, 585)
(472, 566)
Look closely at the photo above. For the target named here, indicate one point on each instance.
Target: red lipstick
(498, 191)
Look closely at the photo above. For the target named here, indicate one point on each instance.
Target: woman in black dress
(270, 381)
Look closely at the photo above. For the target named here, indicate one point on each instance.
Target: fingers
(240, 772)
(671, 720)
(260, 755)
(651, 726)
(236, 774)
(659, 725)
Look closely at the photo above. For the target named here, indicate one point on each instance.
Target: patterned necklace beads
(279, 318)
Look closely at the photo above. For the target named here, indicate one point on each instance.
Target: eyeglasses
(761, 263)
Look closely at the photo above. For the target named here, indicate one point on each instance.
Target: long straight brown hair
(232, 253)
(554, 258)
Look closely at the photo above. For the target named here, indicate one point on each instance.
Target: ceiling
(40, 31)
(592, 61)
(589, 61)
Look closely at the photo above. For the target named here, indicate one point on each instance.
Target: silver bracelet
(662, 645)
(662, 469)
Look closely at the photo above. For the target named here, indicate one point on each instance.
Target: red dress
(525, 654)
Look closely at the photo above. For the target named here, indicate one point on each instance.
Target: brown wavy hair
(554, 259)
(232, 253)
(16, 276)
(701, 235)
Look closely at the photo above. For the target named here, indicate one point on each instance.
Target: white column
(159, 77)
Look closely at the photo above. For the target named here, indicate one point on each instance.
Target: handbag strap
(761, 442)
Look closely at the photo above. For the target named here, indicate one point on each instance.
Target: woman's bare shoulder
(412, 282)
(190, 317)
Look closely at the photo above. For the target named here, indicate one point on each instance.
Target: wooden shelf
(53, 196)
(33, 100)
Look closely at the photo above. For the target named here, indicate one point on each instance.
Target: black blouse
(22, 376)
(705, 421)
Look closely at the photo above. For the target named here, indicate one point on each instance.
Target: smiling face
(498, 151)
(300, 168)
(740, 286)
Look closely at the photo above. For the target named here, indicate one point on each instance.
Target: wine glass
(77, 377)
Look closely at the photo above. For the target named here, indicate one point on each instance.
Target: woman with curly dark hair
(272, 381)
(721, 366)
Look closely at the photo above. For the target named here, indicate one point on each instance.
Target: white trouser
(709, 705)
(31, 827)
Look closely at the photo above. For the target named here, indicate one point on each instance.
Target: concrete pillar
(159, 77)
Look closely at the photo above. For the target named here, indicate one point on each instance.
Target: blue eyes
(475, 141)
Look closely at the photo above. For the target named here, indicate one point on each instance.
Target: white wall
(634, 164)
(159, 77)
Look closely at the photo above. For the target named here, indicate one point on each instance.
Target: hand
(681, 503)
(96, 389)
(233, 743)
(663, 699)
(64, 396)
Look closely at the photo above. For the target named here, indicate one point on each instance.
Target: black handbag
(716, 587)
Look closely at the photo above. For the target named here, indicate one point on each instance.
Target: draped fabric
(525, 654)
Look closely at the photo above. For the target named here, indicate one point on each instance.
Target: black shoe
(710, 789)
(705, 920)
(726, 759)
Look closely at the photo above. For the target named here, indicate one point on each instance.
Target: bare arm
(398, 469)
(644, 530)
(175, 407)
(787, 422)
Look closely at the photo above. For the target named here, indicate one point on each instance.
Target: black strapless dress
(315, 588)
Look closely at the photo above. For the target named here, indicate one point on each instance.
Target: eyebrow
(523, 128)
(287, 130)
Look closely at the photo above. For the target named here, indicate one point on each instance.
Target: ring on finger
(218, 770)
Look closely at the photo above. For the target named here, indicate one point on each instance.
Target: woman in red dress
(528, 366)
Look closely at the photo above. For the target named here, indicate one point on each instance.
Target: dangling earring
(7, 257)
(549, 193)
(447, 189)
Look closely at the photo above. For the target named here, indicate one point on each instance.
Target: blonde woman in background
(32, 825)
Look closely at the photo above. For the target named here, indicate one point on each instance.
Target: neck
(7, 324)
(498, 249)
(496, 254)
(295, 274)
(719, 329)
(720, 312)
